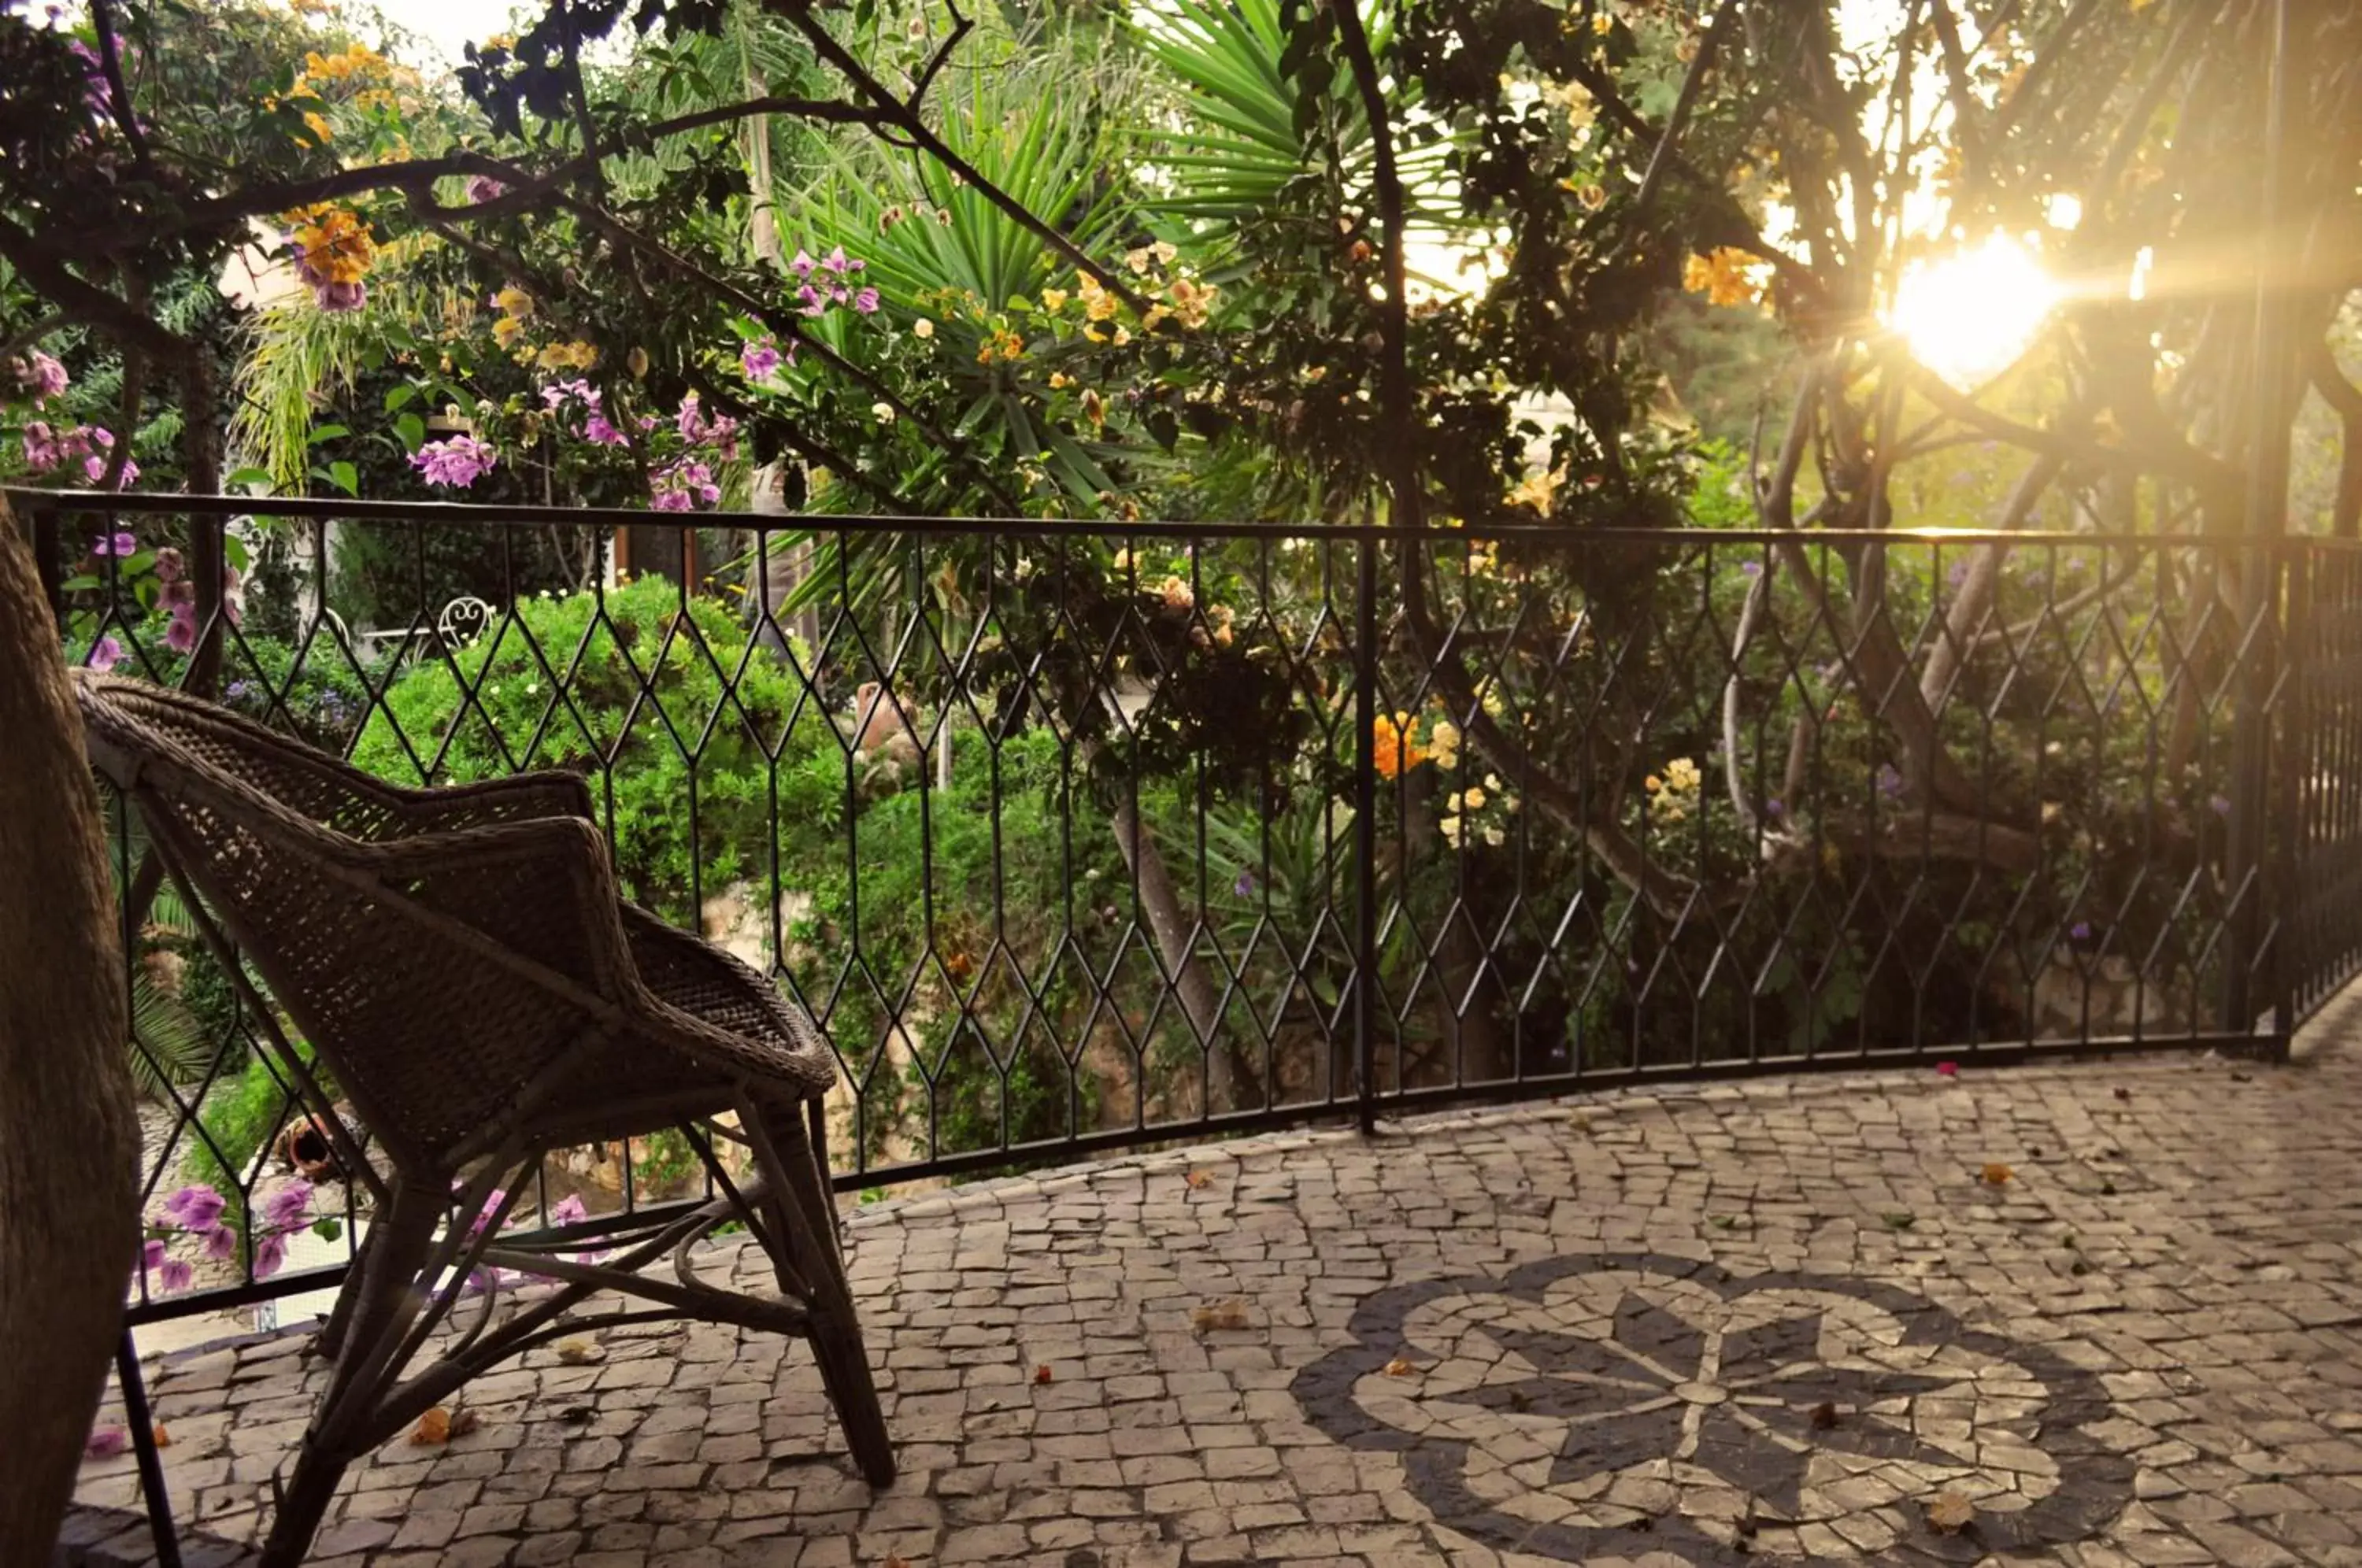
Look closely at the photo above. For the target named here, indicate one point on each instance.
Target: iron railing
(1083, 836)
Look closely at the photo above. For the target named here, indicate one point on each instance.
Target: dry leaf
(1400, 1367)
(163, 1437)
(1041, 1374)
(897, 1562)
(1950, 1512)
(1997, 1175)
(2123, 1093)
(1825, 1416)
(433, 1427)
(1200, 1180)
(465, 1421)
(1231, 1314)
(581, 1351)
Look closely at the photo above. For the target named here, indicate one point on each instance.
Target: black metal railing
(1081, 836)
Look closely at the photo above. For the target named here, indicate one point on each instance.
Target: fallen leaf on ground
(1231, 1314)
(1400, 1367)
(1825, 1416)
(581, 1351)
(1200, 1180)
(897, 1562)
(1041, 1374)
(433, 1427)
(1997, 1175)
(576, 1414)
(163, 1437)
(2123, 1093)
(465, 1421)
(1899, 1221)
(107, 1442)
(1950, 1512)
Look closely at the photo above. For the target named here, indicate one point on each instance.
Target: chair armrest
(521, 797)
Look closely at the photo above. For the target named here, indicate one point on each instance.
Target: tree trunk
(1201, 999)
(69, 1142)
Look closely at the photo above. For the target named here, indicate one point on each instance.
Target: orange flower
(1398, 752)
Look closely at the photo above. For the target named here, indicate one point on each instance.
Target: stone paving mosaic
(1784, 1322)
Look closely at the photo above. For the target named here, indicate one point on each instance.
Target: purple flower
(2220, 806)
(554, 396)
(121, 544)
(668, 501)
(2080, 930)
(492, 1203)
(340, 297)
(95, 466)
(803, 264)
(288, 1206)
(176, 1273)
(197, 1207)
(1245, 886)
(1889, 783)
(107, 1442)
(1775, 809)
(40, 375)
(841, 264)
(270, 1256)
(168, 565)
(599, 433)
(483, 188)
(43, 448)
(1750, 569)
(691, 420)
(815, 304)
(105, 655)
(682, 486)
(456, 463)
(151, 1256)
(1956, 574)
(760, 360)
(180, 634)
(221, 1243)
(866, 301)
(568, 1210)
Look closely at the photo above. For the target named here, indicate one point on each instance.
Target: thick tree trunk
(1169, 921)
(69, 1142)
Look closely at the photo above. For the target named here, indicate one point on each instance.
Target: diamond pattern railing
(1081, 836)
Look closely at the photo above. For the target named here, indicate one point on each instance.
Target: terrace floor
(1782, 1320)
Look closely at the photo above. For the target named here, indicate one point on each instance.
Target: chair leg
(805, 1222)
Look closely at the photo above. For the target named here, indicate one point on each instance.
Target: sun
(1967, 316)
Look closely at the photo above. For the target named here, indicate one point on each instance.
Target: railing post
(1365, 829)
(2251, 836)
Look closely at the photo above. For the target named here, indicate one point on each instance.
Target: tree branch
(110, 60)
(85, 301)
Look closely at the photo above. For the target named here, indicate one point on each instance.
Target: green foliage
(692, 780)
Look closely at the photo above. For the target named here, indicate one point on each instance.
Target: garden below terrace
(1076, 838)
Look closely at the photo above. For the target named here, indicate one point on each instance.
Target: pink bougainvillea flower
(119, 543)
(43, 449)
(197, 1207)
(454, 463)
(760, 360)
(1947, 1069)
(105, 655)
(40, 375)
(568, 1210)
(107, 1442)
(176, 1274)
(180, 632)
(270, 1256)
(289, 1205)
(866, 301)
(221, 1243)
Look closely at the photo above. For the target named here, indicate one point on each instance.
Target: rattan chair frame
(484, 874)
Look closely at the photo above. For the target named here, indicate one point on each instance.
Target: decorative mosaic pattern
(1629, 1403)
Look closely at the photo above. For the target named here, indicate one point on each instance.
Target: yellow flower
(514, 302)
(337, 245)
(1653, 783)
(1726, 277)
(586, 356)
(1474, 799)
(1137, 260)
(316, 125)
(1059, 381)
(882, 412)
(1397, 752)
(1163, 252)
(1097, 304)
(1053, 299)
(922, 327)
(1603, 24)
(1443, 745)
(506, 330)
(1192, 301)
(1450, 828)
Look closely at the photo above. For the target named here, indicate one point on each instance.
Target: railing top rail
(459, 513)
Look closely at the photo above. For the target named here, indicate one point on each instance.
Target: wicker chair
(463, 968)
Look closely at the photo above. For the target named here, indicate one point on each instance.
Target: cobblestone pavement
(1787, 1320)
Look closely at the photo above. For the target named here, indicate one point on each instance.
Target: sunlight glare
(1970, 315)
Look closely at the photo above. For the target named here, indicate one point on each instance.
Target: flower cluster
(178, 596)
(37, 376)
(333, 255)
(827, 282)
(47, 449)
(1463, 824)
(197, 1211)
(454, 463)
(761, 359)
(1725, 276)
(596, 428)
(1674, 796)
